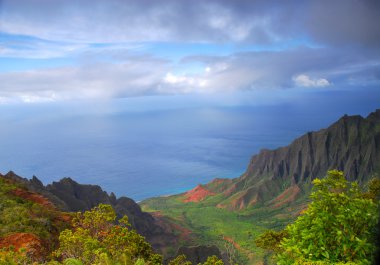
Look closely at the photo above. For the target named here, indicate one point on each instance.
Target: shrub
(338, 225)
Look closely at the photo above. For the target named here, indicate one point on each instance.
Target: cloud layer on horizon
(112, 47)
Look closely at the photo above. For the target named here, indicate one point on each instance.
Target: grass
(215, 226)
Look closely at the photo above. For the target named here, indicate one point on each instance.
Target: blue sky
(62, 51)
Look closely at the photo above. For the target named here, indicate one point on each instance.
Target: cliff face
(352, 144)
(69, 195)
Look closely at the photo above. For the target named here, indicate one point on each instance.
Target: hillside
(275, 187)
(70, 196)
(29, 220)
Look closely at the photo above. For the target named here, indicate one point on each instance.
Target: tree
(213, 260)
(271, 240)
(96, 240)
(338, 225)
(180, 260)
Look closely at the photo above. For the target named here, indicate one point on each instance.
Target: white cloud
(90, 81)
(305, 81)
(186, 84)
(147, 75)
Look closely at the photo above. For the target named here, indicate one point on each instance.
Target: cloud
(88, 81)
(140, 75)
(347, 22)
(306, 81)
(344, 22)
(114, 49)
(190, 84)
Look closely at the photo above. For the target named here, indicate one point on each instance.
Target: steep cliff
(352, 144)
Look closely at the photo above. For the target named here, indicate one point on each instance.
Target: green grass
(210, 224)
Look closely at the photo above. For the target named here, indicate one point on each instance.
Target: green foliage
(72, 261)
(10, 257)
(213, 260)
(338, 225)
(373, 189)
(96, 240)
(180, 260)
(271, 240)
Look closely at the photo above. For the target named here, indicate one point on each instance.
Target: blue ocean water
(150, 152)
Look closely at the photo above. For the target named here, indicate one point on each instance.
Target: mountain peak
(374, 116)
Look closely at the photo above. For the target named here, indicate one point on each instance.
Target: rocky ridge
(352, 144)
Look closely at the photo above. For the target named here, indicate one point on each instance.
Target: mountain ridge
(69, 196)
(351, 144)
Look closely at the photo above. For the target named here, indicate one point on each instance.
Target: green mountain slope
(274, 189)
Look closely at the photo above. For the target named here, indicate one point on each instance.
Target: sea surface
(146, 152)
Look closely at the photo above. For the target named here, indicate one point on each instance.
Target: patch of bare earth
(169, 225)
(289, 195)
(231, 240)
(199, 193)
(34, 197)
(31, 243)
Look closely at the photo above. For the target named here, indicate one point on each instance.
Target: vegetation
(94, 236)
(21, 217)
(96, 240)
(339, 226)
(12, 257)
(232, 232)
(271, 240)
(181, 260)
(258, 233)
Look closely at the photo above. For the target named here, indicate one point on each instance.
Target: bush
(338, 226)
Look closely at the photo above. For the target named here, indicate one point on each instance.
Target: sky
(64, 51)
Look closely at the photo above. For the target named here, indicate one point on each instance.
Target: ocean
(142, 152)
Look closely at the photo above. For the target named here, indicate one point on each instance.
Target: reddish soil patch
(230, 190)
(289, 195)
(238, 203)
(185, 233)
(63, 217)
(30, 242)
(156, 214)
(199, 193)
(169, 225)
(34, 197)
(230, 239)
